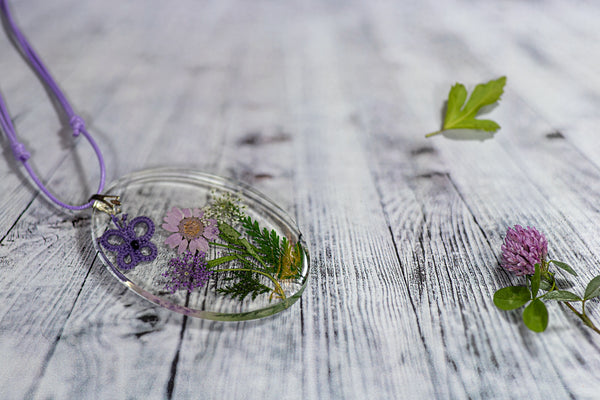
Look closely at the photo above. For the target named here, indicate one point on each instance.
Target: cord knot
(20, 152)
(77, 124)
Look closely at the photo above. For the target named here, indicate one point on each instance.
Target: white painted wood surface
(323, 106)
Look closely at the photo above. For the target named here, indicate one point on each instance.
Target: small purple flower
(130, 248)
(522, 249)
(188, 271)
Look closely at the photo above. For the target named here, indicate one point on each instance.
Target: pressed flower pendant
(201, 245)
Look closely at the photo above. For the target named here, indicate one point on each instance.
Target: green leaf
(535, 316)
(482, 124)
(547, 281)
(456, 99)
(462, 116)
(229, 234)
(564, 266)
(593, 288)
(253, 251)
(545, 285)
(243, 284)
(512, 297)
(221, 260)
(535, 281)
(484, 95)
(268, 242)
(561, 295)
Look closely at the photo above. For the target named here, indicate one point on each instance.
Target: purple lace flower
(522, 249)
(189, 229)
(188, 271)
(130, 248)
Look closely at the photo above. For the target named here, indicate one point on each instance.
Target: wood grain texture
(323, 106)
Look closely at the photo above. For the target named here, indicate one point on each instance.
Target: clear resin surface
(202, 245)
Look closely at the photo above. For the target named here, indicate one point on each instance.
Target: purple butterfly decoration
(130, 248)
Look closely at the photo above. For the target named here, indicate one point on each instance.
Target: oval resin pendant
(202, 245)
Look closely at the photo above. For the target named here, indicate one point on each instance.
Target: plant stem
(248, 253)
(434, 133)
(586, 320)
(582, 316)
(222, 260)
(223, 245)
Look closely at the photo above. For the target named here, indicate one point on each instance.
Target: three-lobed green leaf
(535, 314)
(512, 297)
(461, 115)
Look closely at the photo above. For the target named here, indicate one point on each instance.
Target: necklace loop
(76, 122)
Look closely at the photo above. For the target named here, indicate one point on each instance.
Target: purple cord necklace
(130, 247)
(225, 252)
(76, 122)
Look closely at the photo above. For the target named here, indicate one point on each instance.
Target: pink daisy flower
(189, 229)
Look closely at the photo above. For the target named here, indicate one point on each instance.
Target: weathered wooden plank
(361, 311)
(501, 194)
(129, 333)
(254, 147)
(45, 256)
(69, 349)
(323, 107)
(430, 223)
(54, 375)
(554, 68)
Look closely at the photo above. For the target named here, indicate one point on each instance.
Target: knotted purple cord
(76, 122)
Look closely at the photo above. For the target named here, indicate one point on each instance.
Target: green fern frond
(242, 285)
